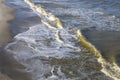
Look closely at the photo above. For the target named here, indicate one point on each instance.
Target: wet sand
(5, 15)
(4, 77)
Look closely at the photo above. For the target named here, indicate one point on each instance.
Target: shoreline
(4, 77)
(5, 16)
(5, 35)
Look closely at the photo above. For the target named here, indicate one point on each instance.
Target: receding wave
(55, 50)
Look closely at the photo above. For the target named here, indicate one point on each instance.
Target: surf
(82, 40)
(55, 49)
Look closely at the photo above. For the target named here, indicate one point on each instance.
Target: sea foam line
(113, 72)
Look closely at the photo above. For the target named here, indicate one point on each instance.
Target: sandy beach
(4, 77)
(5, 15)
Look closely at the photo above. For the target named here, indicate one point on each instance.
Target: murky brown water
(108, 42)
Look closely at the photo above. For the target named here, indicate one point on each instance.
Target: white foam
(51, 47)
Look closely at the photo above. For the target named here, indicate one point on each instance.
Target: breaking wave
(56, 50)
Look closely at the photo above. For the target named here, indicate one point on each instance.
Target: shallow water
(49, 45)
(100, 16)
(107, 42)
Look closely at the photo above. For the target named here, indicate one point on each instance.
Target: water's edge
(27, 53)
(6, 14)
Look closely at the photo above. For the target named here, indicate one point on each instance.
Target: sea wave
(56, 50)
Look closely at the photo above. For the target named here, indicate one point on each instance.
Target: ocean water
(64, 40)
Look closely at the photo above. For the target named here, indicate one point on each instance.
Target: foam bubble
(49, 52)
